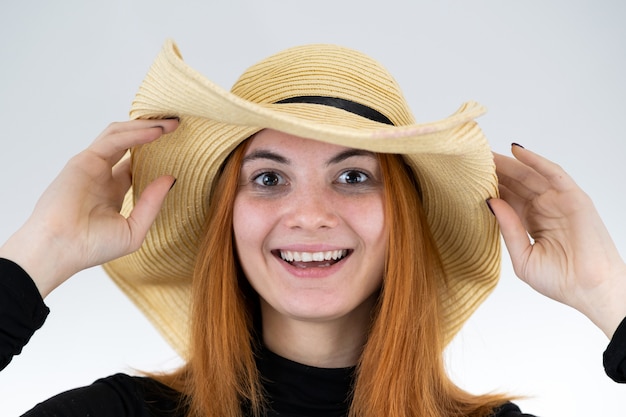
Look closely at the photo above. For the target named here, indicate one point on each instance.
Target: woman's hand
(76, 223)
(570, 256)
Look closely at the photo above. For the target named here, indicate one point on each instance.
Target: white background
(550, 72)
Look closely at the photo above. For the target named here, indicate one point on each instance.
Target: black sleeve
(22, 310)
(615, 355)
(509, 410)
(119, 395)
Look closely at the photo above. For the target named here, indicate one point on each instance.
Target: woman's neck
(336, 343)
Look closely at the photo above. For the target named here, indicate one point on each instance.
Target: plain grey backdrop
(551, 74)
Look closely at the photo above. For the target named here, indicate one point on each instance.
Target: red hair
(401, 371)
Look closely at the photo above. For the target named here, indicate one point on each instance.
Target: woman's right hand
(77, 223)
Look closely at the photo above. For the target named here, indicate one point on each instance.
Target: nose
(311, 209)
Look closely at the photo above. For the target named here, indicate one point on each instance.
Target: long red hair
(401, 371)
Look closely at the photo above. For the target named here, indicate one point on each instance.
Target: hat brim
(450, 157)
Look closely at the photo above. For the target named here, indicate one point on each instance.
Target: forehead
(281, 142)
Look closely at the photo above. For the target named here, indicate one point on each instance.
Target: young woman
(318, 249)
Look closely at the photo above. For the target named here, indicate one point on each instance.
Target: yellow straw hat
(289, 92)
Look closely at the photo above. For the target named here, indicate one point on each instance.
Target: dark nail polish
(174, 183)
(518, 145)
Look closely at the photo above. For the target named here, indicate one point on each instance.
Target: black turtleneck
(304, 391)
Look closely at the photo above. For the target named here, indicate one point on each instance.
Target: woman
(335, 245)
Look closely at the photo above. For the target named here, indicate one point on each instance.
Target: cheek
(370, 221)
(367, 219)
(244, 230)
(252, 223)
(244, 223)
(379, 238)
(380, 234)
(239, 220)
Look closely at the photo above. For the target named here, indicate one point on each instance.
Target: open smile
(313, 259)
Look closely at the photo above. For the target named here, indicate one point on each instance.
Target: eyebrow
(273, 156)
(349, 153)
(265, 154)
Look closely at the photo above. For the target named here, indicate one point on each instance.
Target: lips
(313, 259)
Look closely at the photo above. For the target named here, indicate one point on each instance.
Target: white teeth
(291, 256)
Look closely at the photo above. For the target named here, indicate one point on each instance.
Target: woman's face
(309, 226)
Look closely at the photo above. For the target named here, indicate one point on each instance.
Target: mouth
(322, 259)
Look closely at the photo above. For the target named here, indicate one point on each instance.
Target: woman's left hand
(570, 256)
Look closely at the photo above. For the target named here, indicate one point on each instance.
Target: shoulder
(509, 410)
(119, 395)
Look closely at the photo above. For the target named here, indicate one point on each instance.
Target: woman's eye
(268, 179)
(352, 177)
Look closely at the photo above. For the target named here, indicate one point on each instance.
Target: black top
(293, 389)
(22, 310)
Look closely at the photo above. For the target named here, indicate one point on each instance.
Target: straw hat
(450, 158)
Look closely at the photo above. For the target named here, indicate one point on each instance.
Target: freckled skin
(304, 195)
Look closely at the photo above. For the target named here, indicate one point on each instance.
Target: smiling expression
(309, 227)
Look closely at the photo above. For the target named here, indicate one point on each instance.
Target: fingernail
(174, 183)
(172, 118)
(489, 205)
(518, 145)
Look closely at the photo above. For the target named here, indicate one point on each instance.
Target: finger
(112, 147)
(168, 125)
(514, 234)
(553, 172)
(519, 178)
(119, 137)
(517, 202)
(122, 178)
(147, 208)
